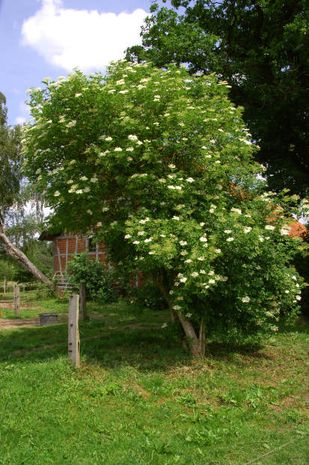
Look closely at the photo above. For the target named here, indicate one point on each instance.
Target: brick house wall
(66, 246)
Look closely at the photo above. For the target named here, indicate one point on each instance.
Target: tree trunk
(18, 255)
(166, 297)
(197, 344)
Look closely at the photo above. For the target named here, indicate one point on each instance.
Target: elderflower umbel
(71, 124)
(177, 307)
(284, 231)
(236, 210)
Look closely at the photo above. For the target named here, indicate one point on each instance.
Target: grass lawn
(140, 399)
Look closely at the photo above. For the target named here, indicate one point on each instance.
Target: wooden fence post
(17, 300)
(82, 301)
(4, 286)
(73, 331)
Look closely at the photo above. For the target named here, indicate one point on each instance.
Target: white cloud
(20, 120)
(85, 39)
(23, 114)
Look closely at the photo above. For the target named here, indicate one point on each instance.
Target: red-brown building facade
(66, 246)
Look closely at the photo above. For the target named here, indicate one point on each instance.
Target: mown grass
(139, 398)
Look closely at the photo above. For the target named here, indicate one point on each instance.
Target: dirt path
(13, 324)
(10, 305)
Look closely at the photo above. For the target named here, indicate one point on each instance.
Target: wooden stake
(73, 331)
(82, 301)
(17, 300)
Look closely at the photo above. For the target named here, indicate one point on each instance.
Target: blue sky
(40, 38)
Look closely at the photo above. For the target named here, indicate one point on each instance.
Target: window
(92, 245)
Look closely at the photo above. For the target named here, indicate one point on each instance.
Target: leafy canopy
(262, 49)
(159, 165)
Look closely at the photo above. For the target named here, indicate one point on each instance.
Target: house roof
(298, 229)
(48, 236)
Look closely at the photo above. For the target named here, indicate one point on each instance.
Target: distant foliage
(40, 253)
(7, 269)
(10, 161)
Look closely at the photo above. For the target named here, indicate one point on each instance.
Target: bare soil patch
(13, 324)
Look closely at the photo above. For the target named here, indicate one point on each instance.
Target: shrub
(98, 281)
(159, 165)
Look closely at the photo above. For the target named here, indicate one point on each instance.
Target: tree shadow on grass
(227, 351)
(146, 347)
(141, 347)
(254, 351)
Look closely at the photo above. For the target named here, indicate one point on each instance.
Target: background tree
(13, 198)
(262, 49)
(158, 165)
